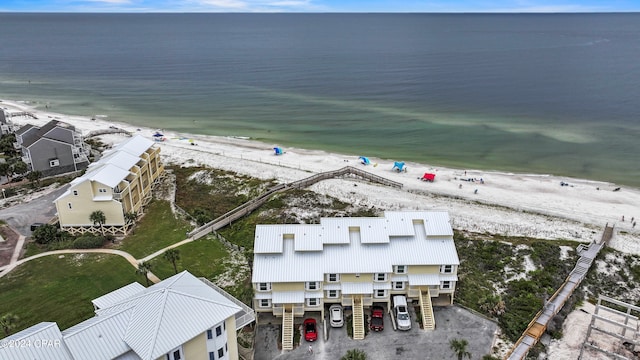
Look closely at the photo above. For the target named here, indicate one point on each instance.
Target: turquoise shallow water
(525, 93)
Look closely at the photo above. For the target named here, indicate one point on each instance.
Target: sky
(544, 6)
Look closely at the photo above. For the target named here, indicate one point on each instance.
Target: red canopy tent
(428, 177)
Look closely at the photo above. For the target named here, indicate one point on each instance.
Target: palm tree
(130, 217)
(143, 269)
(354, 354)
(172, 255)
(8, 322)
(98, 218)
(459, 347)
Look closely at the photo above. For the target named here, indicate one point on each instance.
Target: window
(313, 302)
(175, 354)
(333, 294)
(398, 285)
(224, 326)
(312, 285)
(218, 330)
(264, 286)
(209, 334)
(446, 285)
(400, 269)
(70, 207)
(212, 355)
(75, 192)
(380, 293)
(220, 353)
(102, 190)
(54, 163)
(265, 303)
(333, 278)
(446, 269)
(380, 277)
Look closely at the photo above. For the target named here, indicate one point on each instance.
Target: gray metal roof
(398, 238)
(99, 338)
(117, 295)
(53, 347)
(136, 145)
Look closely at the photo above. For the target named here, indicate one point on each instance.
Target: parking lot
(452, 322)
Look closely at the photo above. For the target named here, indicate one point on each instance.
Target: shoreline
(506, 203)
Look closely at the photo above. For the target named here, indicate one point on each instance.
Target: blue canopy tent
(399, 166)
(364, 160)
(278, 151)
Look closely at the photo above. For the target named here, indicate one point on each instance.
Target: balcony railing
(26, 160)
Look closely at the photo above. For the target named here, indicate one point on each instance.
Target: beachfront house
(355, 262)
(6, 126)
(117, 184)
(53, 149)
(182, 317)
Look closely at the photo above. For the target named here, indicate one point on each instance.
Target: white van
(401, 311)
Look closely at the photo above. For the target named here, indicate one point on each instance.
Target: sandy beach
(511, 204)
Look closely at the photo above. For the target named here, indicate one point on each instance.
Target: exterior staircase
(287, 328)
(358, 318)
(426, 308)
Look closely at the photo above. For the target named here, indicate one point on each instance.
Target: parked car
(34, 226)
(377, 324)
(310, 330)
(335, 316)
(402, 312)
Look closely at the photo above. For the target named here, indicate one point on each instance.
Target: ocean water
(542, 93)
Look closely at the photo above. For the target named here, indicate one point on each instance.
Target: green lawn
(61, 289)
(156, 230)
(202, 257)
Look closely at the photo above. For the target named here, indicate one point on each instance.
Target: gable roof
(42, 132)
(298, 253)
(135, 146)
(117, 295)
(54, 349)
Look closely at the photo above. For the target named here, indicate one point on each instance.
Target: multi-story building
(355, 262)
(53, 149)
(182, 317)
(117, 184)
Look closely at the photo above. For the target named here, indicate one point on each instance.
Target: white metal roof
(135, 145)
(99, 338)
(288, 297)
(109, 174)
(352, 245)
(120, 159)
(424, 279)
(117, 295)
(32, 338)
(357, 288)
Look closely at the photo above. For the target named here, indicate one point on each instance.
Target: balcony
(26, 159)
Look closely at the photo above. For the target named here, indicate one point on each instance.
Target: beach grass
(157, 229)
(60, 289)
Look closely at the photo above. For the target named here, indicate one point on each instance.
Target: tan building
(119, 183)
(354, 262)
(182, 317)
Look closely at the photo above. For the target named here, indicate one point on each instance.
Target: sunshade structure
(399, 166)
(278, 151)
(364, 160)
(428, 177)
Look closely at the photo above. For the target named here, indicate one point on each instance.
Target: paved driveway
(21, 216)
(452, 322)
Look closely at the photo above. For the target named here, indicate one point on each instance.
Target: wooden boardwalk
(539, 323)
(253, 204)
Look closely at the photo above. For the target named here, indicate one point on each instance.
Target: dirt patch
(6, 247)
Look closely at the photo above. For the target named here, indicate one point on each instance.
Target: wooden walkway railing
(538, 325)
(255, 203)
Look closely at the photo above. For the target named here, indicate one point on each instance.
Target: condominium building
(182, 317)
(355, 262)
(117, 184)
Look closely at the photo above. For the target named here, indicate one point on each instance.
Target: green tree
(143, 269)
(354, 354)
(8, 322)
(46, 234)
(98, 218)
(5, 170)
(6, 145)
(34, 176)
(19, 168)
(172, 255)
(459, 347)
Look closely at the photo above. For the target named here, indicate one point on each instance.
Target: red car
(310, 330)
(377, 324)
